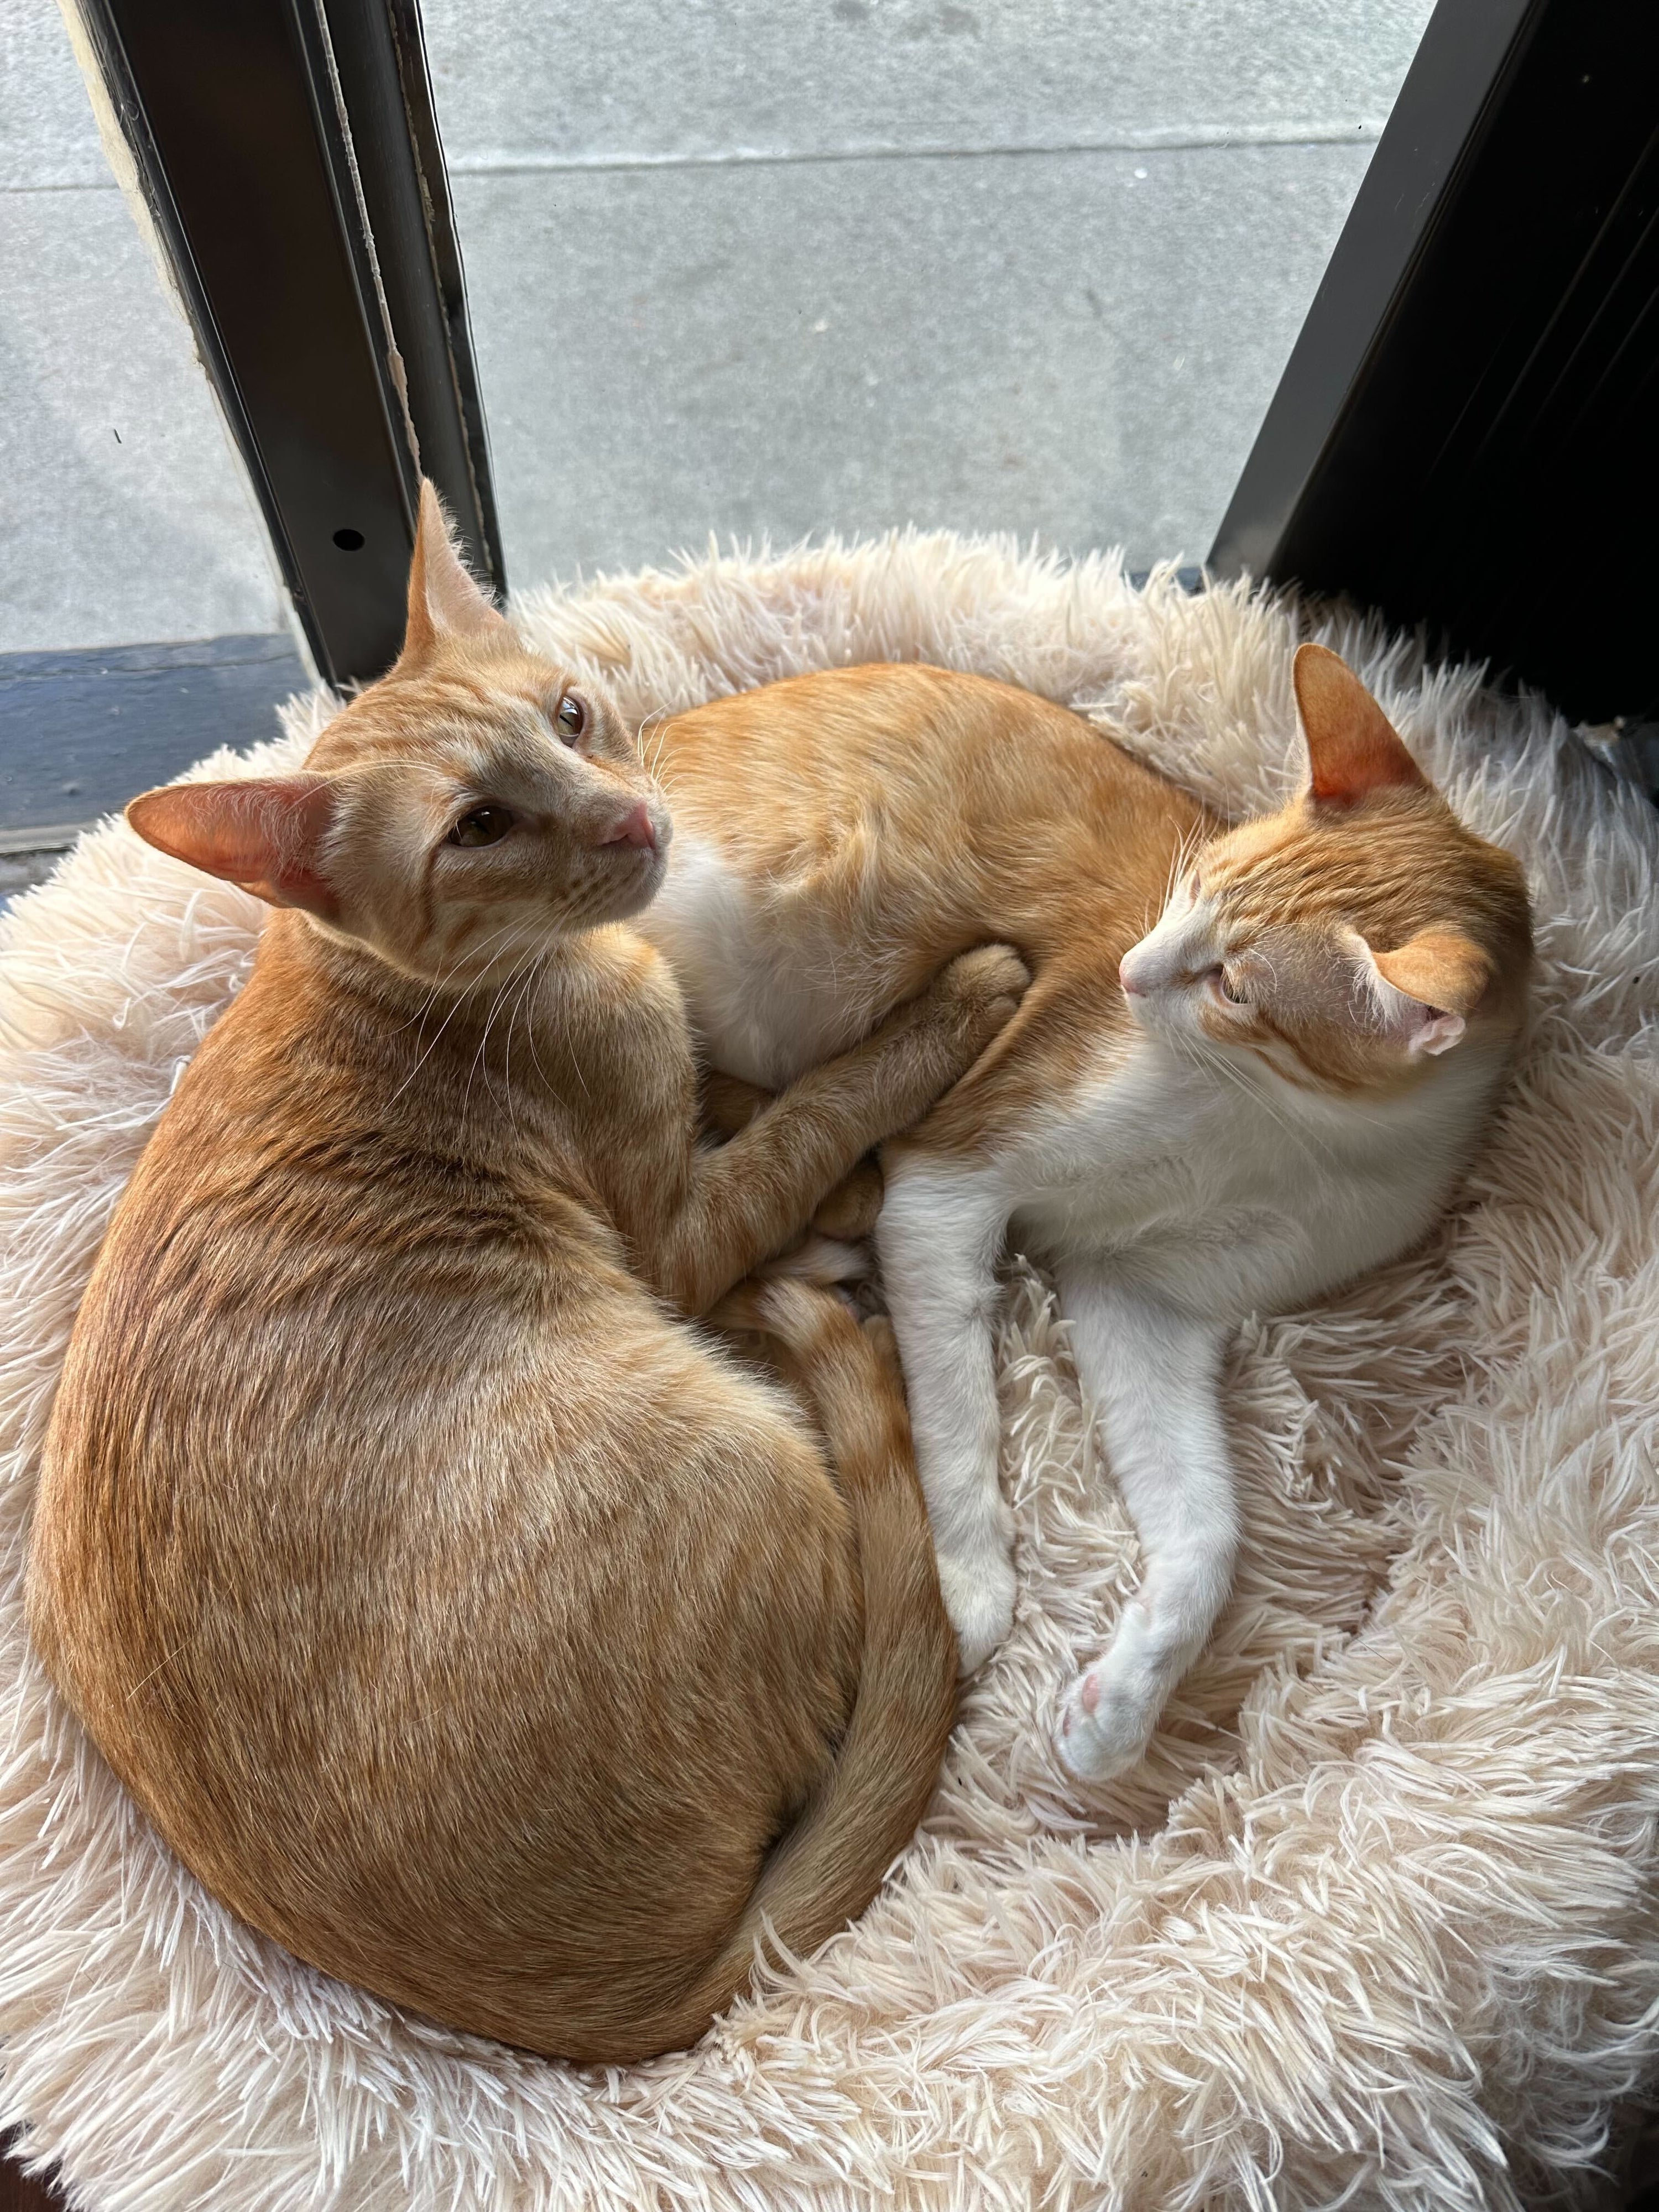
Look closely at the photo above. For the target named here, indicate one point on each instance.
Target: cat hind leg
(939, 1233)
(1154, 1376)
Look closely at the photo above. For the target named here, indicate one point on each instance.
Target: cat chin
(632, 898)
(1166, 1026)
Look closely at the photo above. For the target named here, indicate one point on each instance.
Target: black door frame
(288, 156)
(1466, 435)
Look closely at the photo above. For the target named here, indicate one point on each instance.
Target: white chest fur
(1225, 1190)
(768, 996)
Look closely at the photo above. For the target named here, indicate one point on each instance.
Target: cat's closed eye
(570, 718)
(482, 825)
(1226, 987)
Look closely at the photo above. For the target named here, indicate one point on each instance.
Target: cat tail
(829, 1865)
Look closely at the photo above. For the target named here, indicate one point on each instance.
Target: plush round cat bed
(1374, 1925)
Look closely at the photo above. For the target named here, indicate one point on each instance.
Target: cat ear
(444, 598)
(1352, 747)
(1431, 983)
(265, 834)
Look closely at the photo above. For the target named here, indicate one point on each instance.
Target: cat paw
(984, 988)
(979, 1597)
(1104, 1728)
(854, 1207)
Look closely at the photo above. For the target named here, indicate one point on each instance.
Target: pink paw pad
(1090, 1693)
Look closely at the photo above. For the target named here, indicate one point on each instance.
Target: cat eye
(485, 825)
(1219, 978)
(571, 717)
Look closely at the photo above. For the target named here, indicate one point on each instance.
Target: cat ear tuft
(445, 599)
(265, 834)
(1435, 980)
(1352, 747)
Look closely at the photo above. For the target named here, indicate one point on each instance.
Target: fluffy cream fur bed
(1373, 1926)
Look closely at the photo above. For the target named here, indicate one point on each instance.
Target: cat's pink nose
(1125, 975)
(636, 828)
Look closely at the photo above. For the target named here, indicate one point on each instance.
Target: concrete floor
(743, 268)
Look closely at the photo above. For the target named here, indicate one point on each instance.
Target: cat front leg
(939, 1235)
(849, 1214)
(1154, 1376)
(746, 1200)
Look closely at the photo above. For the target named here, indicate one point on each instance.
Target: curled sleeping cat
(462, 1618)
(1269, 1090)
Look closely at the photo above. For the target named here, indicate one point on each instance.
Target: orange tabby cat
(462, 1618)
(1268, 1092)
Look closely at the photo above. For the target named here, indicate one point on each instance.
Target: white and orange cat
(1268, 1091)
(463, 1618)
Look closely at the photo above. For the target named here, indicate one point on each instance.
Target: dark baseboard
(82, 733)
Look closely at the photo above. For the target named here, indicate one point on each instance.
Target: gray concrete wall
(751, 266)
(123, 512)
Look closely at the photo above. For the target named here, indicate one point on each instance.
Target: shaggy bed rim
(1373, 1926)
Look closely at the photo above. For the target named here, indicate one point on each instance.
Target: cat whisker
(481, 1057)
(1299, 1133)
(547, 1080)
(657, 722)
(461, 996)
(445, 976)
(532, 973)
